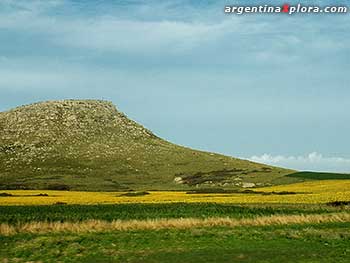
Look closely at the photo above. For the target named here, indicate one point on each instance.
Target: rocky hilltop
(58, 121)
(90, 145)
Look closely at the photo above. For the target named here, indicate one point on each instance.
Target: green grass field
(272, 242)
(307, 243)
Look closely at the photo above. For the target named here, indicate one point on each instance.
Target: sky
(271, 88)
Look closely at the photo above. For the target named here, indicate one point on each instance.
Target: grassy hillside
(90, 145)
(320, 176)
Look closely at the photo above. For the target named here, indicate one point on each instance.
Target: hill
(90, 145)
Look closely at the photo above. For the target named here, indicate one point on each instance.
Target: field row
(91, 226)
(313, 192)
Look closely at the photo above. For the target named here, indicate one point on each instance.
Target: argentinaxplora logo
(286, 9)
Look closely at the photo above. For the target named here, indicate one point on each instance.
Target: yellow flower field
(320, 186)
(309, 192)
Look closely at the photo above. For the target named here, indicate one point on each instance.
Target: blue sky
(272, 88)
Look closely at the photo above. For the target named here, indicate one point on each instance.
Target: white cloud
(231, 37)
(311, 162)
(113, 33)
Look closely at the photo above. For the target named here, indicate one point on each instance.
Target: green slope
(90, 145)
(319, 176)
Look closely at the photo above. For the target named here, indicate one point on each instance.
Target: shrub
(5, 194)
(339, 203)
(59, 187)
(136, 193)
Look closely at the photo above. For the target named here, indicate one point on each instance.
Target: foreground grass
(326, 242)
(178, 232)
(157, 224)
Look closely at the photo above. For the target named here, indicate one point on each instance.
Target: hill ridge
(91, 145)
